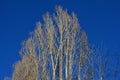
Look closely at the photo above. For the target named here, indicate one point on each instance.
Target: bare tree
(27, 68)
(58, 45)
(58, 38)
(83, 52)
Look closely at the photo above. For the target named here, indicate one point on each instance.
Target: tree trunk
(53, 78)
(66, 66)
(60, 66)
(79, 77)
(60, 59)
(44, 66)
(70, 66)
(53, 68)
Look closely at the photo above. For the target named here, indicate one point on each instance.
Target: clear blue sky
(99, 18)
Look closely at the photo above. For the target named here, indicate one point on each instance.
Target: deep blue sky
(99, 18)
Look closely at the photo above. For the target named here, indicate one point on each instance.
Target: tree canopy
(58, 49)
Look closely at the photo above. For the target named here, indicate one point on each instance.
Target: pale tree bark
(66, 21)
(74, 32)
(40, 42)
(67, 25)
(51, 36)
(59, 20)
(66, 66)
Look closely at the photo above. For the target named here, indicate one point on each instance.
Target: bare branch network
(58, 49)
